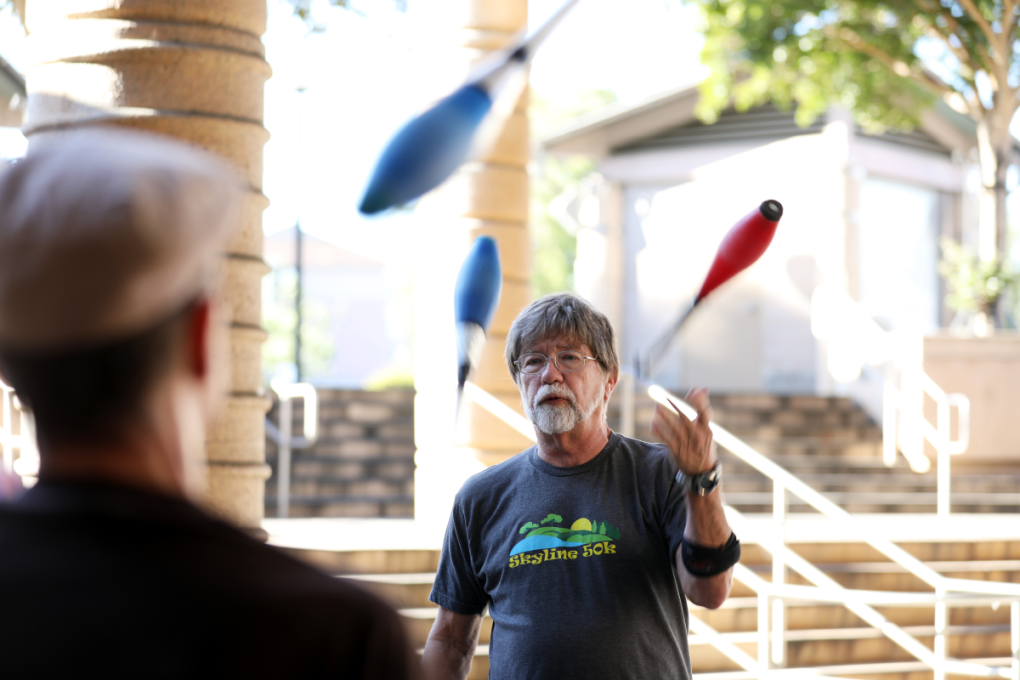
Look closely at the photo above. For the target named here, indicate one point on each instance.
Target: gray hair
(570, 316)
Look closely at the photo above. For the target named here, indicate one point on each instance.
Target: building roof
(667, 120)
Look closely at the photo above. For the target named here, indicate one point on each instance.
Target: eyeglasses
(567, 361)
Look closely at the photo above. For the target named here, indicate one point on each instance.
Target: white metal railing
(773, 594)
(773, 597)
(283, 437)
(855, 346)
(20, 454)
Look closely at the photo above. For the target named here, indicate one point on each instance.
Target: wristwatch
(702, 484)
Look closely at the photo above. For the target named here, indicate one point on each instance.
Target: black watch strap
(701, 484)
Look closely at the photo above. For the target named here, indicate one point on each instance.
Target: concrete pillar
(194, 70)
(489, 197)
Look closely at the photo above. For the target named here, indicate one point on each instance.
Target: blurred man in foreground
(110, 334)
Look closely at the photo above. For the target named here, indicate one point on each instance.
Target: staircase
(818, 635)
(362, 464)
(835, 448)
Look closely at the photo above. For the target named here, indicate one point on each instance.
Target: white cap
(105, 233)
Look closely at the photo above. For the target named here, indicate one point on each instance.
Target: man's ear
(614, 377)
(197, 338)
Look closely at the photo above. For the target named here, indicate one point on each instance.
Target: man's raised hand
(689, 442)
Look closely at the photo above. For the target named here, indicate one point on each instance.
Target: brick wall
(363, 462)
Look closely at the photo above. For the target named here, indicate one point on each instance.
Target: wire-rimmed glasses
(567, 361)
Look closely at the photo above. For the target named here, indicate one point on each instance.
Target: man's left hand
(690, 442)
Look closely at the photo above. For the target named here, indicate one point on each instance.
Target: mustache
(560, 391)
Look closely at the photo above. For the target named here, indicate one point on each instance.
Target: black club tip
(772, 210)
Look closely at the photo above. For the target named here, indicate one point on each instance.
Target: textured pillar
(194, 70)
(488, 197)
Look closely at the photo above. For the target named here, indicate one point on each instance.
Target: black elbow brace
(702, 561)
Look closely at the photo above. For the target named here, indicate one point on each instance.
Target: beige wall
(987, 371)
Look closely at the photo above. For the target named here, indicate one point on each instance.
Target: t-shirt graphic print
(547, 541)
(575, 558)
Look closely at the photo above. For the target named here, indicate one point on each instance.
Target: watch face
(706, 482)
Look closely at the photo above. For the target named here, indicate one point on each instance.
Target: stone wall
(363, 462)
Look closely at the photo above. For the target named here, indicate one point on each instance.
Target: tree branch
(858, 44)
(1008, 7)
(980, 60)
(965, 58)
(980, 20)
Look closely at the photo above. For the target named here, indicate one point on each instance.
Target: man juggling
(586, 547)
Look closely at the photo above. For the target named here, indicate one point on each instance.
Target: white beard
(557, 419)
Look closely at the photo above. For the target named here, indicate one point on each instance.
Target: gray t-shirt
(576, 565)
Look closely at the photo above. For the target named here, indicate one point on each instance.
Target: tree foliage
(884, 60)
(975, 286)
(526, 527)
(555, 247)
(280, 319)
(303, 10)
(552, 518)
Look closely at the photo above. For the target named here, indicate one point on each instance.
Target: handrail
(500, 410)
(283, 438)
(827, 507)
(827, 589)
(839, 319)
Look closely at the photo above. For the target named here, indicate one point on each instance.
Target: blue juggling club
(475, 299)
(462, 125)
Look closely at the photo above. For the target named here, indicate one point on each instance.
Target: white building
(862, 212)
(357, 309)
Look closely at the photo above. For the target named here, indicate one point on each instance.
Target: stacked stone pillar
(193, 70)
(488, 197)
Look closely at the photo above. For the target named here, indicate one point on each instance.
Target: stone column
(488, 197)
(194, 70)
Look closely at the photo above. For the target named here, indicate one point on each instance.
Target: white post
(889, 399)
(763, 632)
(942, 474)
(628, 404)
(912, 413)
(1014, 638)
(779, 508)
(283, 458)
(941, 643)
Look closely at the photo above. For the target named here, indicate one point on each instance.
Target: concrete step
(378, 505)
(819, 634)
(841, 649)
(363, 486)
(419, 620)
(402, 591)
(369, 563)
(892, 501)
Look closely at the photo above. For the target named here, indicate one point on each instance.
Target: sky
(371, 69)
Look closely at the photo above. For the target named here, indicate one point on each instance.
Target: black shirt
(106, 581)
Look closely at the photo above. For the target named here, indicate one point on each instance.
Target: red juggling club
(745, 242)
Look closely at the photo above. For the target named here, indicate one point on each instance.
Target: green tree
(884, 60)
(555, 246)
(975, 286)
(602, 529)
(552, 518)
(526, 527)
(303, 9)
(279, 319)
